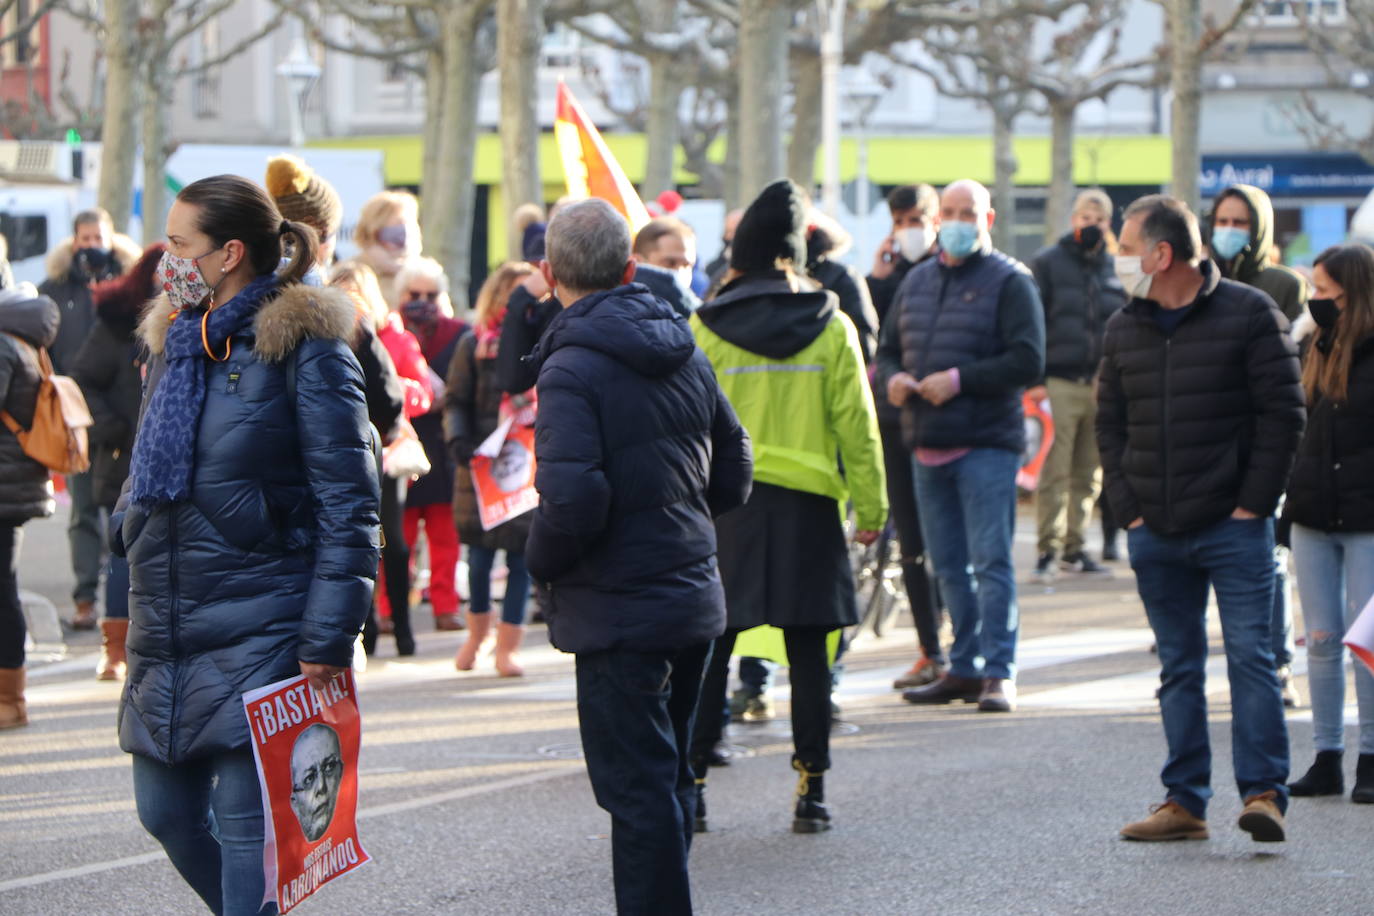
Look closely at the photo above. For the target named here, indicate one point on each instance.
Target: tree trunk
(806, 118)
(119, 136)
(448, 237)
(665, 94)
(730, 169)
(1004, 166)
(763, 30)
(431, 133)
(157, 92)
(1185, 35)
(1060, 200)
(520, 35)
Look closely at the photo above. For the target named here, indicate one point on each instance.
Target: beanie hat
(532, 242)
(773, 227)
(303, 196)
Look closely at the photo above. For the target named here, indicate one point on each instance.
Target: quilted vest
(948, 318)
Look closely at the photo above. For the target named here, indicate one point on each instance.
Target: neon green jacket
(791, 366)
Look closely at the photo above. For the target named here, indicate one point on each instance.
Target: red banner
(1039, 438)
(306, 743)
(503, 474)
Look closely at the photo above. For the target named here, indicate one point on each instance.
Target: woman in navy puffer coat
(249, 521)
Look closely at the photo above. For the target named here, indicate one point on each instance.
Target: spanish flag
(589, 167)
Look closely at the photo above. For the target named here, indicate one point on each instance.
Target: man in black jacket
(637, 450)
(1199, 415)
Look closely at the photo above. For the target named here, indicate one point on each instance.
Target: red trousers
(442, 538)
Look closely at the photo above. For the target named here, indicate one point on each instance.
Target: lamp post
(862, 98)
(831, 13)
(300, 71)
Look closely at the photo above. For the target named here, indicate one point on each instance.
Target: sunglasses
(394, 236)
(415, 295)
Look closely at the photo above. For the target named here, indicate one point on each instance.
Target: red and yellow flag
(589, 167)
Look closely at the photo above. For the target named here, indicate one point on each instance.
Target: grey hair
(1168, 219)
(587, 246)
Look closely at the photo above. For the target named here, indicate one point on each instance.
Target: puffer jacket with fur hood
(25, 487)
(72, 294)
(271, 560)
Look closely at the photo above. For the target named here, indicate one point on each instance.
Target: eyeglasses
(430, 295)
(329, 769)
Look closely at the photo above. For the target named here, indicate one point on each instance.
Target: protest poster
(306, 743)
(1039, 437)
(503, 474)
(1360, 638)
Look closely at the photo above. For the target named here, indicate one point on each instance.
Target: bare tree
(118, 139)
(1347, 55)
(764, 26)
(520, 37)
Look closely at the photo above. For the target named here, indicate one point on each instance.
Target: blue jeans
(1335, 581)
(480, 562)
(635, 712)
(1282, 624)
(1173, 573)
(84, 536)
(207, 814)
(117, 589)
(968, 516)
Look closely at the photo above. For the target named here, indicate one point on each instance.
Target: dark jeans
(635, 713)
(396, 558)
(207, 814)
(809, 667)
(922, 592)
(12, 627)
(756, 674)
(84, 536)
(117, 589)
(480, 562)
(1236, 558)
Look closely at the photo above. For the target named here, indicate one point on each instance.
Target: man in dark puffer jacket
(1199, 416)
(637, 450)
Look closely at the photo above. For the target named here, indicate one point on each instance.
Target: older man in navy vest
(968, 337)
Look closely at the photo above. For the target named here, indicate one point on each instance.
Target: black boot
(811, 815)
(1324, 777)
(1364, 780)
(700, 825)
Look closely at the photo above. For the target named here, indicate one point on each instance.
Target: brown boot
(13, 712)
(508, 639)
(478, 627)
(1262, 818)
(113, 664)
(84, 618)
(1169, 821)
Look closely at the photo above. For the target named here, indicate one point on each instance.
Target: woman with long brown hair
(1331, 505)
(249, 521)
(472, 412)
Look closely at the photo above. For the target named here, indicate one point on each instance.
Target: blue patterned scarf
(164, 452)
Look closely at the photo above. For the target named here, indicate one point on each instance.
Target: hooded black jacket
(1251, 267)
(1196, 424)
(25, 491)
(637, 451)
(1079, 291)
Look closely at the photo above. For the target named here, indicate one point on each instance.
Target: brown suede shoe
(947, 689)
(1169, 821)
(1262, 818)
(999, 695)
(448, 622)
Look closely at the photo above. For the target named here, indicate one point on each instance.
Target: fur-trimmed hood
(298, 312)
(59, 264)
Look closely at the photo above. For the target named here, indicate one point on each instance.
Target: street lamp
(862, 97)
(831, 15)
(300, 72)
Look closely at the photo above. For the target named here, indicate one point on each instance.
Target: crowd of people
(275, 429)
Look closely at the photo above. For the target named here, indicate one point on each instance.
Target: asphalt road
(474, 801)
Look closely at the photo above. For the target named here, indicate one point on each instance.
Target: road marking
(546, 771)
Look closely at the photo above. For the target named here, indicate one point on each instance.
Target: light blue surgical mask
(1227, 241)
(958, 239)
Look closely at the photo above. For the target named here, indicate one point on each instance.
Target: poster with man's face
(504, 480)
(306, 745)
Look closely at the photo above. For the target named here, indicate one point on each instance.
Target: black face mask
(1324, 312)
(92, 262)
(1088, 238)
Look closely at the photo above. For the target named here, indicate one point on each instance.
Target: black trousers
(396, 564)
(809, 673)
(12, 628)
(922, 591)
(635, 711)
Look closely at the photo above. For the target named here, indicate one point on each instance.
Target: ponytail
(301, 244)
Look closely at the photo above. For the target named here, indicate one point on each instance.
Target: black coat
(1332, 487)
(70, 289)
(109, 369)
(271, 560)
(472, 406)
(527, 318)
(25, 487)
(883, 292)
(637, 451)
(1079, 291)
(381, 383)
(1195, 424)
(845, 282)
(436, 487)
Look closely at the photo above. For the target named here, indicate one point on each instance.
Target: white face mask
(1133, 279)
(914, 241)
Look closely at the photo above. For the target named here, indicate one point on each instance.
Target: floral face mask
(183, 281)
